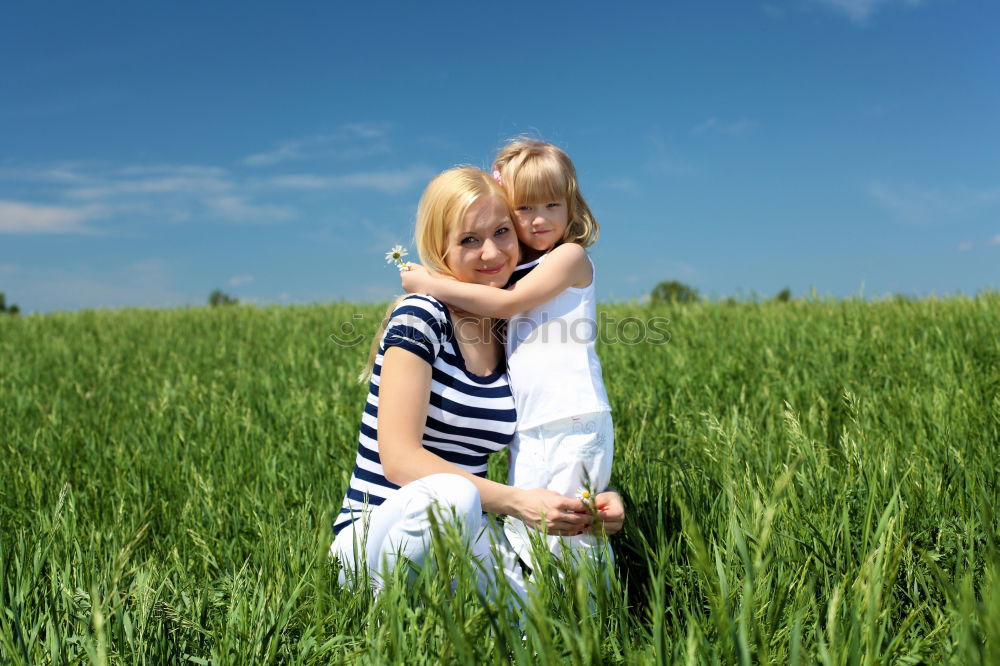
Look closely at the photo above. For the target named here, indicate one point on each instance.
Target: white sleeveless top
(553, 367)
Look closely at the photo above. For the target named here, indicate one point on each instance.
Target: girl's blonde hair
(531, 171)
(443, 205)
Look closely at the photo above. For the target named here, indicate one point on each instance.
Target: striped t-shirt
(468, 416)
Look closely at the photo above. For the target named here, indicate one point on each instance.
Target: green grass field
(814, 481)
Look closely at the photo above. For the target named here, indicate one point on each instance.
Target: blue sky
(151, 153)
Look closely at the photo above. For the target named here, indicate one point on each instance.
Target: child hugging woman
(564, 439)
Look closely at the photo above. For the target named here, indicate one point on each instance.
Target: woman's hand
(415, 278)
(610, 511)
(557, 514)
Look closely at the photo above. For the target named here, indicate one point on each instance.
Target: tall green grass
(814, 481)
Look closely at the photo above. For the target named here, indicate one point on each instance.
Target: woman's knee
(453, 494)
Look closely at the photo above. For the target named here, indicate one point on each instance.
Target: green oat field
(806, 482)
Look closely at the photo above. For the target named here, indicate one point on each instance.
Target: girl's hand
(610, 511)
(415, 278)
(557, 514)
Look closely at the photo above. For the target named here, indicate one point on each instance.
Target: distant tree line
(673, 291)
(219, 297)
(8, 309)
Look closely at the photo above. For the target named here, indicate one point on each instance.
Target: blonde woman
(439, 402)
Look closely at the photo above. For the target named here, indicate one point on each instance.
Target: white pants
(401, 527)
(562, 456)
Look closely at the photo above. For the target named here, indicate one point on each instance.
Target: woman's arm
(565, 266)
(404, 388)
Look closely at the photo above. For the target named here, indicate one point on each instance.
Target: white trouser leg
(400, 526)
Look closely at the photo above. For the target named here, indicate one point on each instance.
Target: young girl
(564, 439)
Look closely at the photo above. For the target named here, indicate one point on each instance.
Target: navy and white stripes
(468, 416)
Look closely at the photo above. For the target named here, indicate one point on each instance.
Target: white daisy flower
(395, 256)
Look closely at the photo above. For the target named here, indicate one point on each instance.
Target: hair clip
(496, 177)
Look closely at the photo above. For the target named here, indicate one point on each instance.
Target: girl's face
(542, 224)
(484, 249)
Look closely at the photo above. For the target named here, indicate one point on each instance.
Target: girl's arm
(565, 266)
(403, 391)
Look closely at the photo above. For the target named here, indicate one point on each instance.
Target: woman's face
(484, 249)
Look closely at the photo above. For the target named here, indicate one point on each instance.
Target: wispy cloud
(861, 11)
(773, 11)
(177, 184)
(238, 209)
(713, 124)
(350, 141)
(240, 280)
(623, 185)
(161, 192)
(66, 196)
(663, 161)
(27, 218)
(927, 205)
(389, 181)
(993, 241)
(59, 173)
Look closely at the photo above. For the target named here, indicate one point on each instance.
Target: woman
(439, 402)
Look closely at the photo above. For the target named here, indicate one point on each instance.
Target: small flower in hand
(395, 256)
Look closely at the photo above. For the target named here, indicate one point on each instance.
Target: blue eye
(467, 240)
(502, 230)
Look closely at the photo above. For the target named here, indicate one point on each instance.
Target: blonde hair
(531, 171)
(443, 205)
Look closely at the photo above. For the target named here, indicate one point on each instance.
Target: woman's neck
(469, 327)
(477, 342)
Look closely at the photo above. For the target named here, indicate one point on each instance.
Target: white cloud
(240, 280)
(367, 130)
(662, 161)
(26, 218)
(350, 141)
(860, 11)
(59, 173)
(287, 150)
(928, 205)
(171, 184)
(624, 185)
(160, 192)
(994, 241)
(388, 181)
(965, 246)
(741, 126)
(237, 209)
(172, 169)
(773, 11)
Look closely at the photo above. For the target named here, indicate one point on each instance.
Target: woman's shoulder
(421, 303)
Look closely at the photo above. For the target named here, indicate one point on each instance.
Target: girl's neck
(530, 254)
